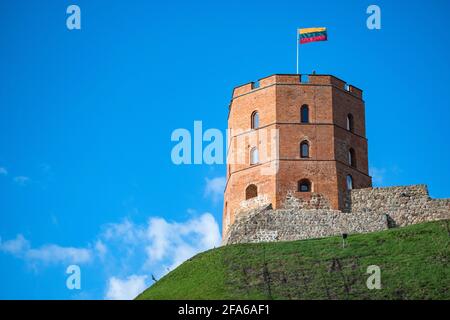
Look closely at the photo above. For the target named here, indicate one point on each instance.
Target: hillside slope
(414, 262)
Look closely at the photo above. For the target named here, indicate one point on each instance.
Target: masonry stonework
(403, 205)
(368, 210)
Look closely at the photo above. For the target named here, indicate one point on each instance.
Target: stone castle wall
(267, 225)
(404, 205)
(368, 210)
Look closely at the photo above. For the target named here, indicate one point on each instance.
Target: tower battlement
(297, 79)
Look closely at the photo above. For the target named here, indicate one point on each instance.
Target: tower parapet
(297, 79)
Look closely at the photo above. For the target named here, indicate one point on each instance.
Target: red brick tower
(321, 148)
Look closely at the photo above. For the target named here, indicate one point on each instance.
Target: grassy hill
(414, 262)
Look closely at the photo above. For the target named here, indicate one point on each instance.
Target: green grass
(414, 262)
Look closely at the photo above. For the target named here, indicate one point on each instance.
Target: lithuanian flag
(312, 34)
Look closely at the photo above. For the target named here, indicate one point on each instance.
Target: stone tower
(294, 136)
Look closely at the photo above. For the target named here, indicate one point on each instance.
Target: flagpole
(297, 49)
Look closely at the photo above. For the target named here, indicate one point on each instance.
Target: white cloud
(163, 244)
(128, 248)
(15, 246)
(47, 254)
(159, 232)
(53, 253)
(126, 289)
(154, 247)
(215, 187)
(101, 249)
(21, 180)
(125, 231)
(176, 242)
(207, 228)
(3, 171)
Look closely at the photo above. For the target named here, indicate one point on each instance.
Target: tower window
(352, 157)
(254, 158)
(304, 114)
(304, 186)
(255, 120)
(304, 149)
(251, 192)
(350, 126)
(349, 182)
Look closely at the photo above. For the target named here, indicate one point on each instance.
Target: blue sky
(86, 118)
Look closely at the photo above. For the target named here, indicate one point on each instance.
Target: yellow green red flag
(307, 35)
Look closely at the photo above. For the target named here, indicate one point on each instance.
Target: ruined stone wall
(368, 210)
(404, 205)
(267, 225)
(316, 201)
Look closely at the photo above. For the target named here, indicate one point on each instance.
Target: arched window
(351, 157)
(304, 114)
(350, 122)
(251, 192)
(349, 182)
(304, 186)
(304, 149)
(254, 158)
(255, 120)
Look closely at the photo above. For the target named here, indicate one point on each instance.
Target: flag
(312, 34)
